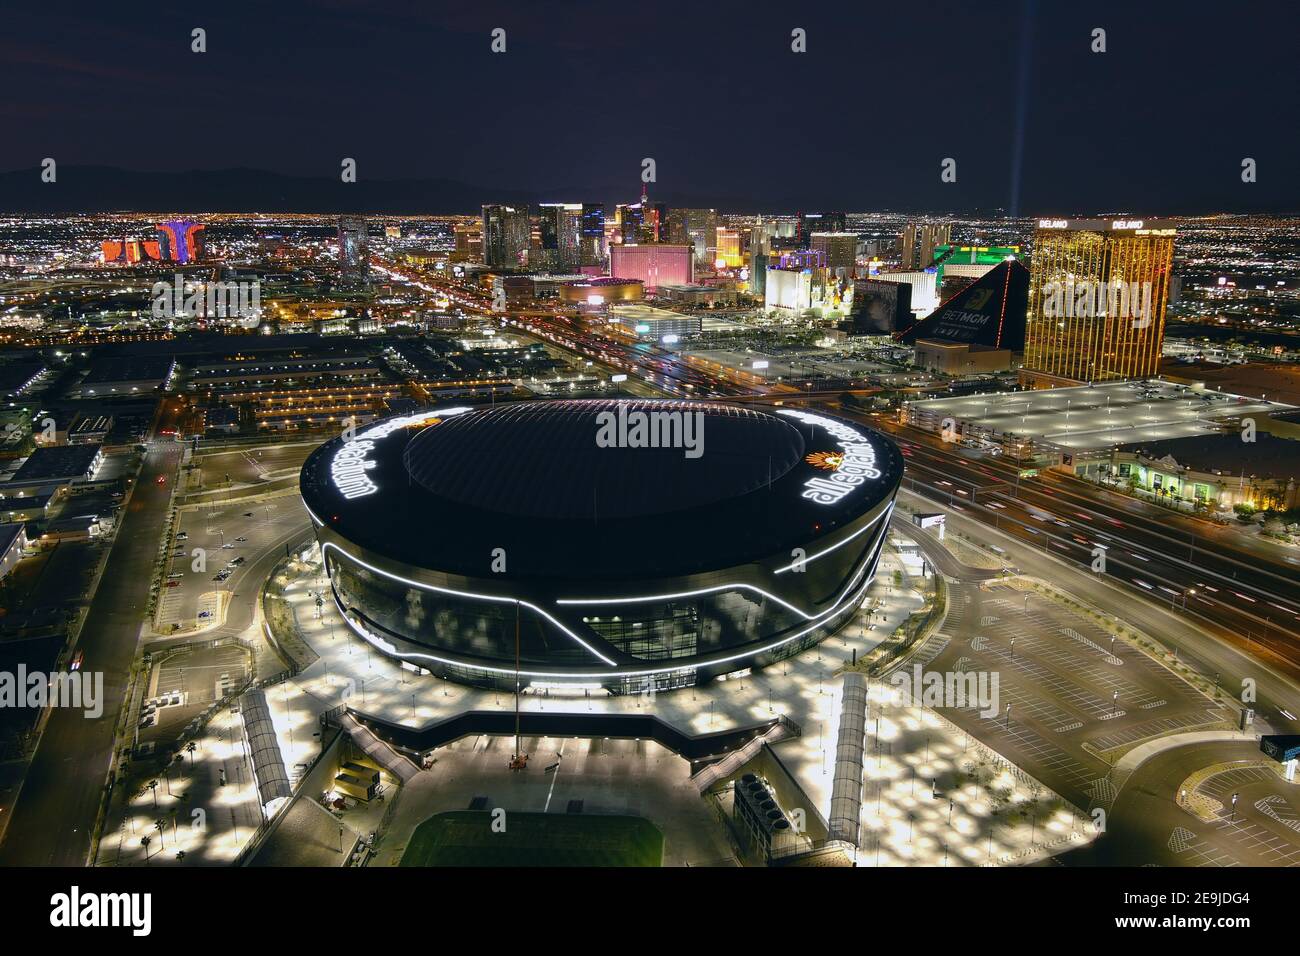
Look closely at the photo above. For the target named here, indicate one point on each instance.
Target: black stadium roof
(443, 490)
(570, 476)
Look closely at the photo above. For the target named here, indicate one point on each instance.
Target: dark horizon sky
(1158, 124)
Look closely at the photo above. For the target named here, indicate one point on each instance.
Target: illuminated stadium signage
(857, 461)
(349, 467)
(350, 464)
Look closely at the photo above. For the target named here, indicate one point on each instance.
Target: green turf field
(465, 838)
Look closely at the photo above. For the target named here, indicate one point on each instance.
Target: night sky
(1157, 124)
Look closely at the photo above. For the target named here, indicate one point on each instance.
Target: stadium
(603, 546)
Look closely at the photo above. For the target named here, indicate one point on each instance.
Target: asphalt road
(57, 806)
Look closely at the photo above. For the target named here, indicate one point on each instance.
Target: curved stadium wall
(454, 539)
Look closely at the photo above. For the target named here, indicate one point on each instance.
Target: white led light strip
(389, 648)
(841, 606)
(811, 558)
(465, 594)
(625, 600)
(722, 587)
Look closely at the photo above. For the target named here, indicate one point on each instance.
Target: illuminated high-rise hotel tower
(1097, 295)
(354, 254)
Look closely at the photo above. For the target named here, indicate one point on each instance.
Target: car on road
(161, 479)
(176, 574)
(173, 584)
(182, 535)
(241, 538)
(77, 658)
(236, 562)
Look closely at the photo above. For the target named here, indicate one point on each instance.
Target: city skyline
(650, 437)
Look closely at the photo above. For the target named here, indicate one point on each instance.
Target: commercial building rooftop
(1097, 416)
(109, 371)
(60, 463)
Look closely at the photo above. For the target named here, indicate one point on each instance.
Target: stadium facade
(600, 546)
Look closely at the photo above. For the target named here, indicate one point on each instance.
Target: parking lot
(198, 675)
(185, 682)
(228, 538)
(1074, 696)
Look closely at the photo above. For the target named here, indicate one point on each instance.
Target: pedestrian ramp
(730, 764)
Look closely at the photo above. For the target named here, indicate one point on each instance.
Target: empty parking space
(1067, 685)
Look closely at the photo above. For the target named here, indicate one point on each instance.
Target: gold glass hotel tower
(1097, 295)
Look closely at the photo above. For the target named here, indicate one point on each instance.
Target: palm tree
(153, 787)
(144, 842)
(189, 749)
(159, 826)
(180, 856)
